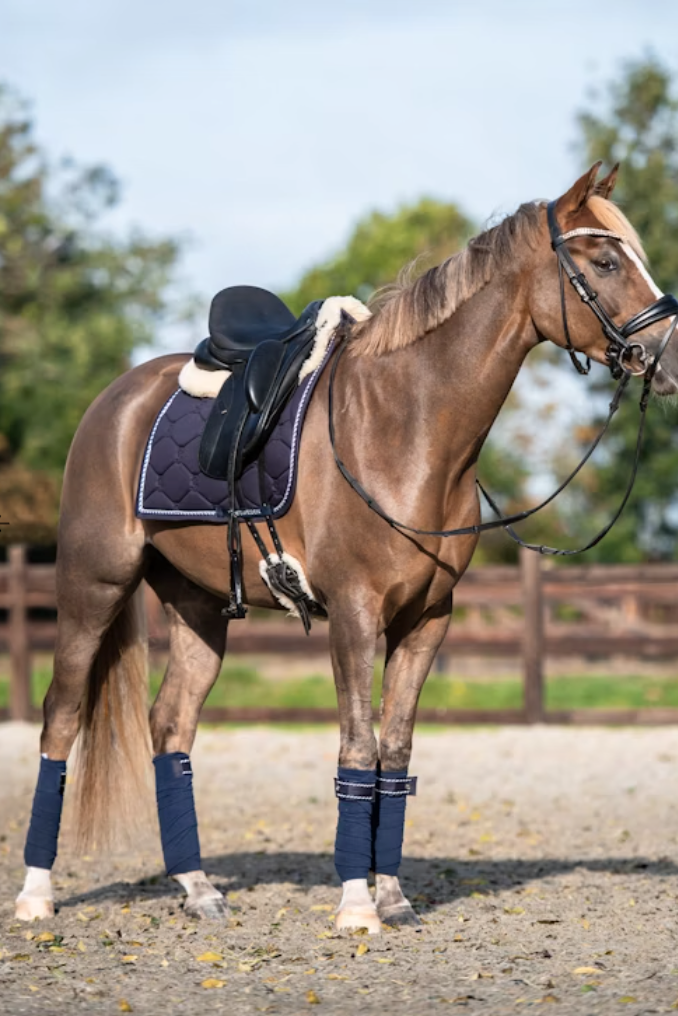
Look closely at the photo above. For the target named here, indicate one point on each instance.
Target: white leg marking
(35, 899)
(357, 909)
(203, 900)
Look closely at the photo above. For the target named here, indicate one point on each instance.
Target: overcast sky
(262, 130)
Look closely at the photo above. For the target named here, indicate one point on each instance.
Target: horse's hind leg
(197, 645)
(90, 613)
(409, 659)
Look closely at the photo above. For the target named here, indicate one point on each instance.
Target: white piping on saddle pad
(206, 384)
(295, 565)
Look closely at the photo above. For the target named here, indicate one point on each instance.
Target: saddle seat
(256, 337)
(241, 318)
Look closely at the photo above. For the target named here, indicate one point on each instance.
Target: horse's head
(594, 295)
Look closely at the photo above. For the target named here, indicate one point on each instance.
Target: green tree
(74, 304)
(635, 123)
(380, 246)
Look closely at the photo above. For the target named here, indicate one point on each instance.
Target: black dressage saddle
(256, 336)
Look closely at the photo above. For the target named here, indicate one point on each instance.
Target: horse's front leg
(353, 635)
(409, 659)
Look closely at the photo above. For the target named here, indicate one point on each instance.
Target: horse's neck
(471, 362)
(415, 419)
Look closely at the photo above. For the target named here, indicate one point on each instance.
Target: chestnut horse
(414, 399)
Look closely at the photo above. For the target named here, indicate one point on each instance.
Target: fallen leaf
(311, 971)
(130, 958)
(362, 949)
(312, 998)
(81, 946)
(164, 963)
(33, 987)
(44, 936)
(587, 970)
(585, 924)
(212, 982)
(321, 906)
(588, 987)
(209, 957)
(124, 1006)
(514, 910)
(628, 998)
(548, 998)
(384, 959)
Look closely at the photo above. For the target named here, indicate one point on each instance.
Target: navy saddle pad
(173, 487)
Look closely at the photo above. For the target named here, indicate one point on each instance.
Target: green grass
(241, 685)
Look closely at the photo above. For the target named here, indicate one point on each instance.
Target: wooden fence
(532, 612)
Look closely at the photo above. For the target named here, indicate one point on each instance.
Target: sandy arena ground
(543, 863)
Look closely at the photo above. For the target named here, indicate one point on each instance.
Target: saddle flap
(262, 368)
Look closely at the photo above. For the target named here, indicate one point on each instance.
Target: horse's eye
(605, 264)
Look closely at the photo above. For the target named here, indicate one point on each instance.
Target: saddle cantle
(255, 336)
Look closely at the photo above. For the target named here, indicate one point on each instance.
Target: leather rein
(619, 355)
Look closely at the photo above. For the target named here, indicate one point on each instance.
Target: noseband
(620, 351)
(619, 354)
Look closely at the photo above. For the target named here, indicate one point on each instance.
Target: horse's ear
(605, 186)
(579, 193)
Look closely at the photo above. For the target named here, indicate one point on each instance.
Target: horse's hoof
(212, 909)
(352, 918)
(401, 914)
(32, 908)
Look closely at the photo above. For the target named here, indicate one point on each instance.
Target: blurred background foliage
(76, 303)
(635, 122)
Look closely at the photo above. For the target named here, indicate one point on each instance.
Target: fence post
(20, 704)
(533, 635)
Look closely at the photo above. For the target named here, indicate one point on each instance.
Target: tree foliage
(636, 123)
(380, 246)
(74, 304)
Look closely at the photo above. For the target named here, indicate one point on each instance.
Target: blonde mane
(406, 311)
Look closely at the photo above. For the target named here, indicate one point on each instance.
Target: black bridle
(619, 351)
(619, 356)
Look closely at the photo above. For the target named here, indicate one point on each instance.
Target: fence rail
(533, 612)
